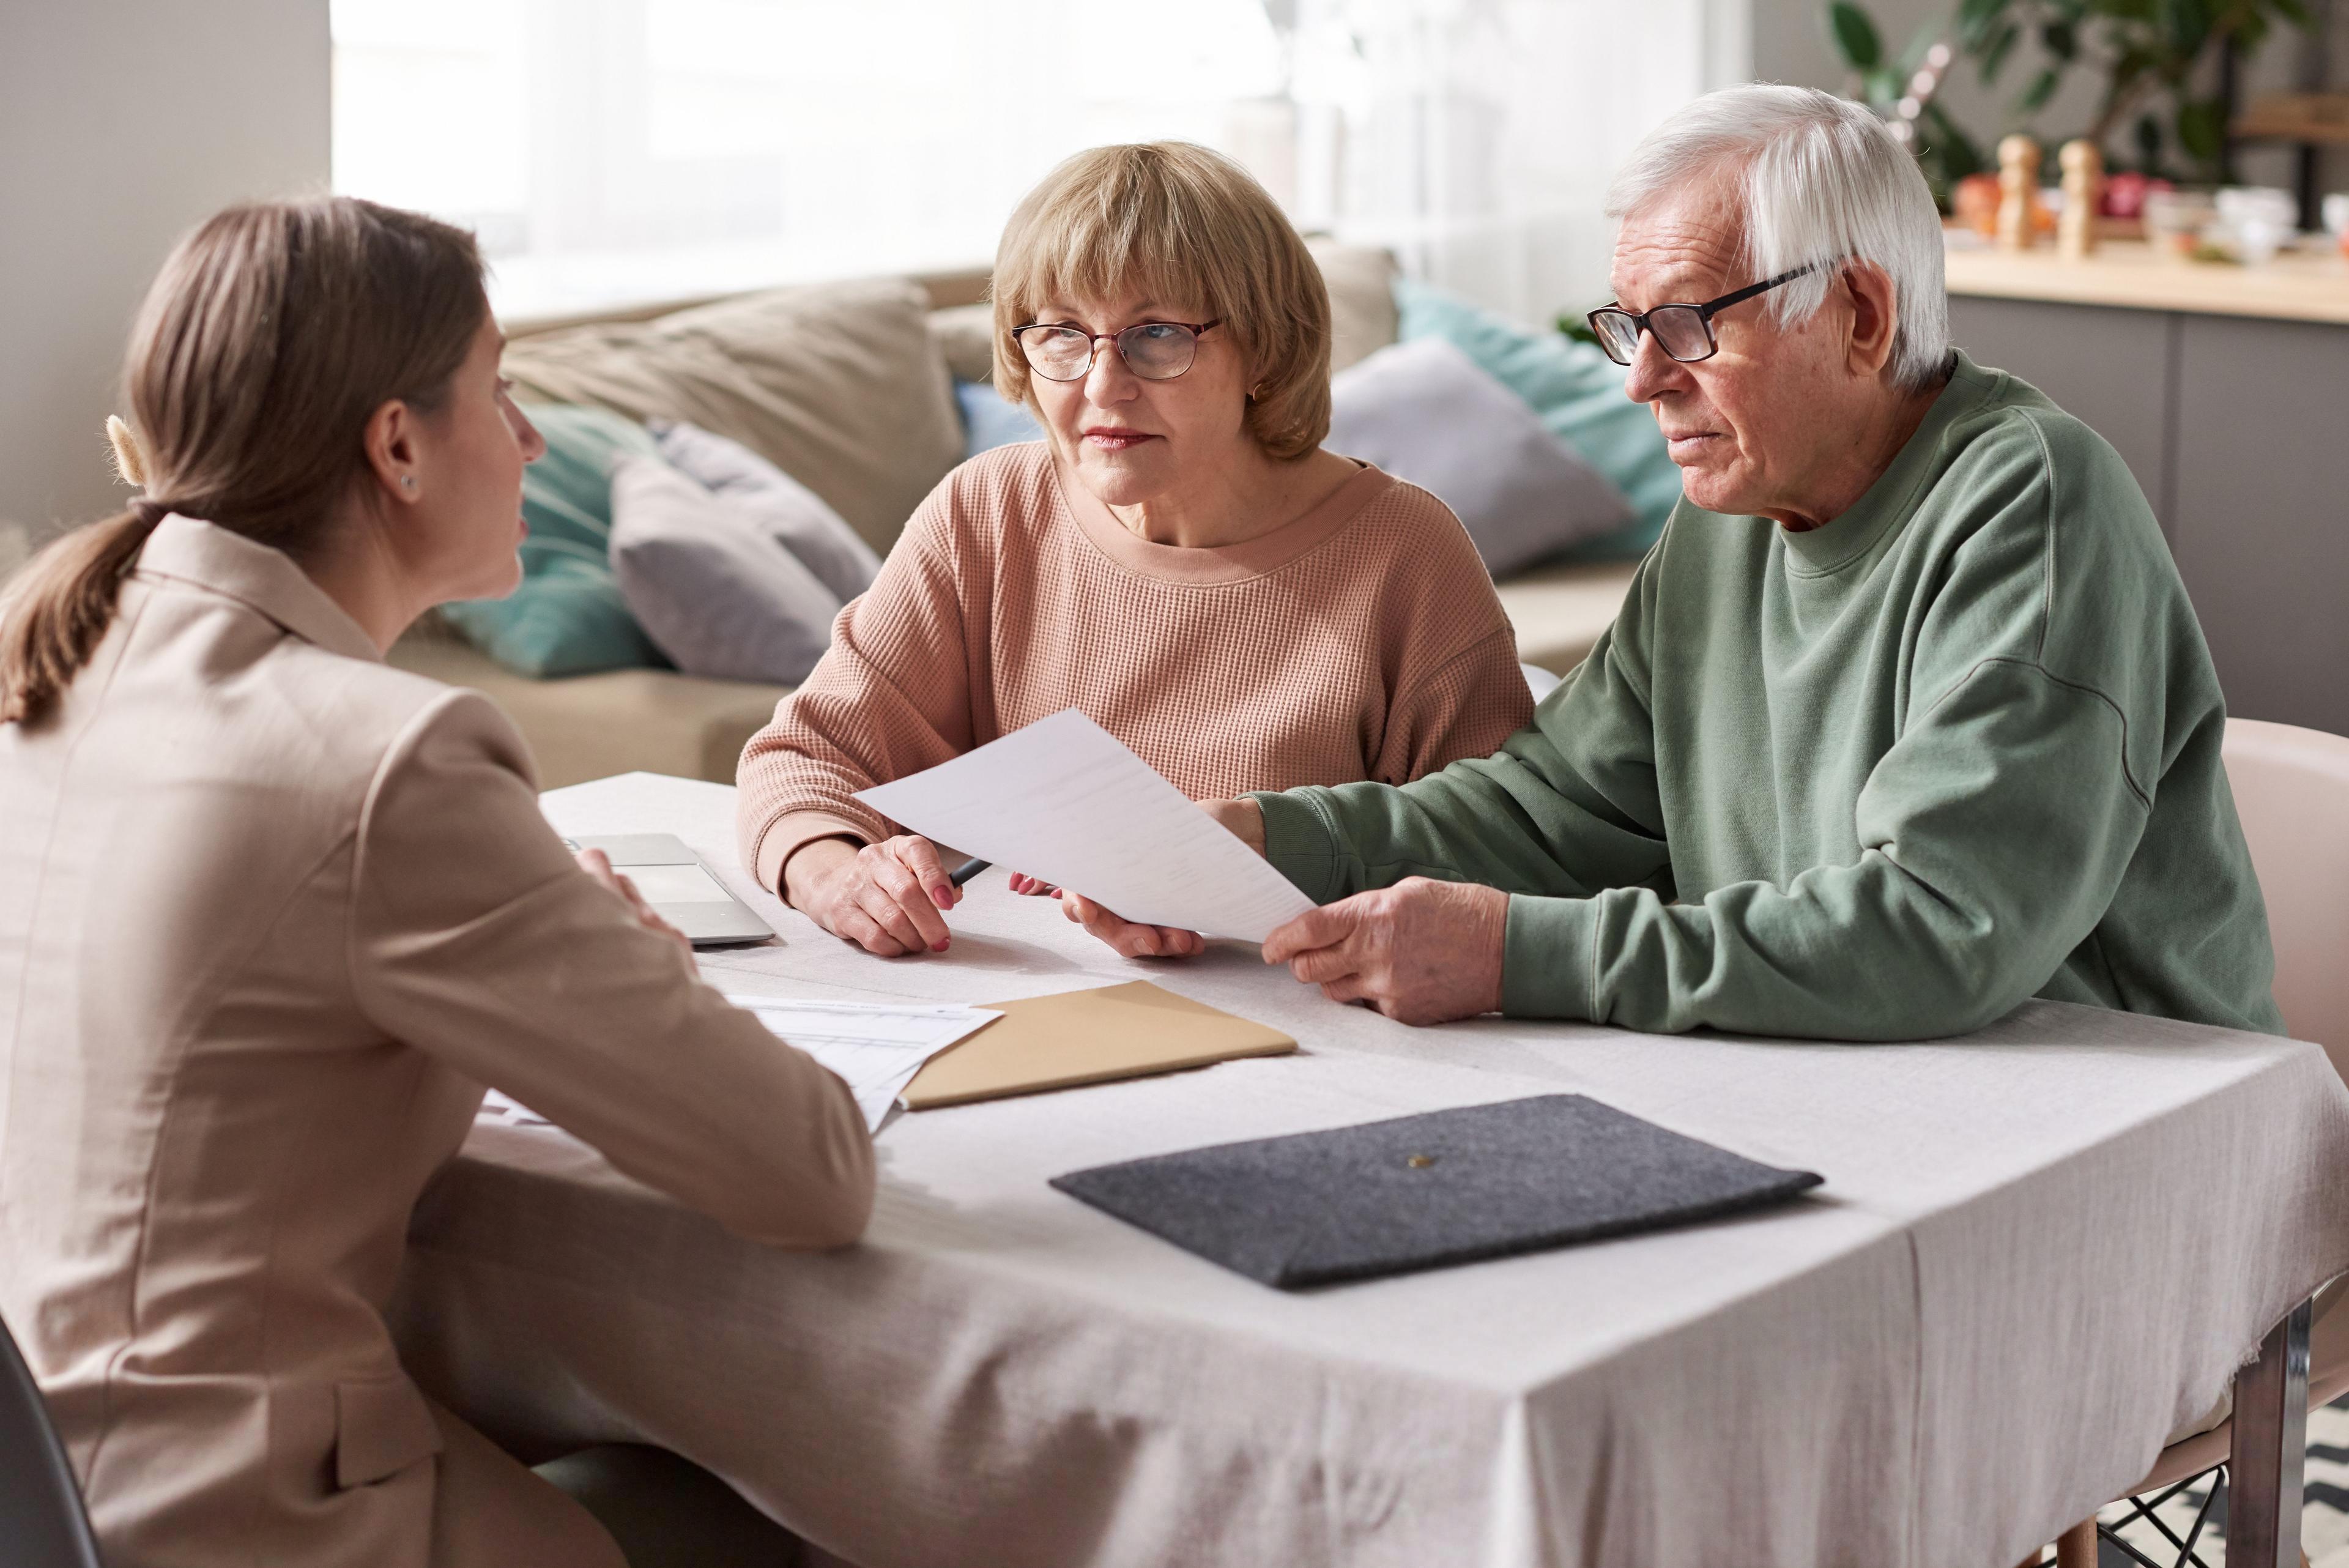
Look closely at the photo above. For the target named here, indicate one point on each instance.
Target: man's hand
(1130, 938)
(886, 898)
(598, 865)
(1420, 951)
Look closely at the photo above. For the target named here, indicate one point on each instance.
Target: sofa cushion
(623, 720)
(825, 544)
(1362, 314)
(712, 581)
(1578, 393)
(964, 335)
(1424, 412)
(990, 420)
(1559, 610)
(568, 617)
(839, 384)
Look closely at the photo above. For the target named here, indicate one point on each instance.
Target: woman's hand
(598, 865)
(886, 898)
(1130, 938)
(1034, 886)
(1243, 818)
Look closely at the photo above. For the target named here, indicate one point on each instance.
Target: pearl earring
(408, 481)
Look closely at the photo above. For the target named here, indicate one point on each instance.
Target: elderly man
(1906, 718)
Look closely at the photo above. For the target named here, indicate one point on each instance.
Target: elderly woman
(1178, 557)
(1906, 718)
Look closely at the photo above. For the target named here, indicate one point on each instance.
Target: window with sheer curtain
(616, 152)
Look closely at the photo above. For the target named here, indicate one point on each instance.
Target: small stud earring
(408, 481)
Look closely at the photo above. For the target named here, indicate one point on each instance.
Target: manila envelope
(1086, 1037)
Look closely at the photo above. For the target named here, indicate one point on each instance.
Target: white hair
(1821, 179)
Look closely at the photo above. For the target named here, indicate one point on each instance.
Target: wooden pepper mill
(2083, 189)
(2018, 192)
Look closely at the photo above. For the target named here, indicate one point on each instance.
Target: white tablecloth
(2038, 1250)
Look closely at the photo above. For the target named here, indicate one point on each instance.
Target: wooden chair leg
(2076, 1547)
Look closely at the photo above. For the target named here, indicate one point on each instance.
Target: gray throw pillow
(797, 515)
(712, 583)
(1425, 411)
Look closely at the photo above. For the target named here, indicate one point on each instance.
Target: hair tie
(129, 462)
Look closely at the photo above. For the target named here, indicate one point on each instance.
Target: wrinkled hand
(1129, 937)
(886, 898)
(1420, 951)
(598, 865)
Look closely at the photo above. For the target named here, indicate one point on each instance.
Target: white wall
(123, 123)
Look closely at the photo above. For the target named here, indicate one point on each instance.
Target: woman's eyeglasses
(1682, 331)
(1153, 350)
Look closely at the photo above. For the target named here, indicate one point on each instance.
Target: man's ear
(1875, 317)
(391, 441)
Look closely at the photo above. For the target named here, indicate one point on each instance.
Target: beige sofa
(847, 388)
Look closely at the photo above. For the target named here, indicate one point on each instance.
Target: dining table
(2039, 1252)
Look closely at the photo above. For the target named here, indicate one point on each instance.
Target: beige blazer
(270, 914)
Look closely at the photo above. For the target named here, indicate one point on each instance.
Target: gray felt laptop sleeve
(1420, 1191)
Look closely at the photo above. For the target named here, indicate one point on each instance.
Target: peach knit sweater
(1361, 642)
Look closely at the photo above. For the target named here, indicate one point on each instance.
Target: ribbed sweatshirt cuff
(1299, 842)
(1549, 958)
(787, 834)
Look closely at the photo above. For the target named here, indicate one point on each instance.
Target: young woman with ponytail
(272, 913)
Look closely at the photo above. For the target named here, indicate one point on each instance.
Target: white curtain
(621, 151)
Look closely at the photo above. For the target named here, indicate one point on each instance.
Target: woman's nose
(1110, 381)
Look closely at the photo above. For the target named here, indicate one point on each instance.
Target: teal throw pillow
(1578, 392)
(988, 421)
(568, 617)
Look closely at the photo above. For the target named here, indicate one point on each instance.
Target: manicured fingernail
(943, 897)
(937, 947)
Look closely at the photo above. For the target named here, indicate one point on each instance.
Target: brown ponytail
(268, 340)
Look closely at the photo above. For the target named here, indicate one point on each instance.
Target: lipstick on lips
(1115, 438)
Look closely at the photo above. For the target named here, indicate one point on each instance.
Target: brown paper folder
(1086, 1037)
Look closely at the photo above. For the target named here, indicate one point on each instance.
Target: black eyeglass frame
(1704, 315)
(1198, 329)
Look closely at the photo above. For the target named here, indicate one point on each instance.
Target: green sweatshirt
(1883, 780)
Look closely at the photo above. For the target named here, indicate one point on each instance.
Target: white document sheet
(1064, 800)
(876, 1049)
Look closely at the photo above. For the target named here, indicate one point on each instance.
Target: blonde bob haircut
(1176, 223)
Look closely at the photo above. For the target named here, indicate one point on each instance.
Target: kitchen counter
(2300, 285)
(2226, 391)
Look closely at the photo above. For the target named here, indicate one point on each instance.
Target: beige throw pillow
(965, 335)
(1363, 319)
(839, 384)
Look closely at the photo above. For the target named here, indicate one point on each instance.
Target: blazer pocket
(382, 1426)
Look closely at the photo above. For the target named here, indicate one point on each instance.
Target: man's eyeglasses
(1153, 350)
(1682, 331)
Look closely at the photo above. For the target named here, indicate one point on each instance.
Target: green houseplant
(2153, 58)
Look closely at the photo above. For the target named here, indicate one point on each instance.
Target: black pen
(966, 870)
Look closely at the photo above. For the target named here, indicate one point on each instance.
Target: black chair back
(42, 1524)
